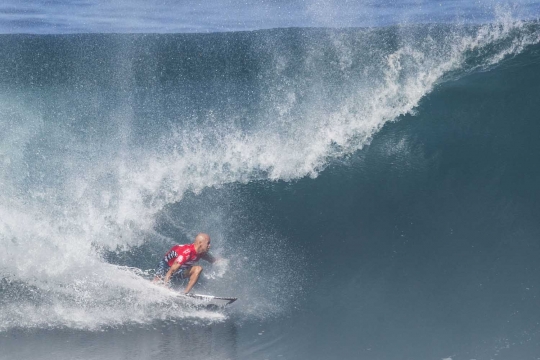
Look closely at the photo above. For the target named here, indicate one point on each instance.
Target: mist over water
(113, 147)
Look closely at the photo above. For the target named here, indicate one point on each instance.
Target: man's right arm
(174, 267)
(171, 271)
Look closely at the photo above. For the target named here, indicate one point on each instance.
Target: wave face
(393, 169)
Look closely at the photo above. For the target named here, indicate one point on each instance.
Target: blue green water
(167, 16)
(372, 191)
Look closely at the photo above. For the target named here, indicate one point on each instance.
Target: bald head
(202, 242)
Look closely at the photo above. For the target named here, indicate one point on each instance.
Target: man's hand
(175, 266)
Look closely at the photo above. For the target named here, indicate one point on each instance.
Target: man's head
(202, 243)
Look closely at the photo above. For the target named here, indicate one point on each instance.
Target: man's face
(206, 246)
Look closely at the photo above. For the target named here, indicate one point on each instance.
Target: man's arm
(175, 266)
(209, 258)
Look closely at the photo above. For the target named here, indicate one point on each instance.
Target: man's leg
(161, 270)
(193, 275)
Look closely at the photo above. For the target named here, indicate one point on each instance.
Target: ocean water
(169, 16)
(373, 191)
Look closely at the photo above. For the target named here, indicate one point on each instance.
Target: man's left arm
(208, 257)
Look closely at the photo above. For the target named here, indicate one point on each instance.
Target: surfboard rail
(211, 298)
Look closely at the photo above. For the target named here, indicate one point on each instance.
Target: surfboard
(199, 300)
(209, 302)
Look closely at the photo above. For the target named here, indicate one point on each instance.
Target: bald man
(179, 262)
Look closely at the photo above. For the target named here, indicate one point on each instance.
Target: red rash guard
(185, 255)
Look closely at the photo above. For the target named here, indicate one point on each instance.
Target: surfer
(179, 262)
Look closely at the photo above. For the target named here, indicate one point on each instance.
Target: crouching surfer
(179, 262)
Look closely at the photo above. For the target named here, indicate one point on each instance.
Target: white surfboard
(207, 301)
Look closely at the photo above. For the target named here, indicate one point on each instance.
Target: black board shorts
(164, 267)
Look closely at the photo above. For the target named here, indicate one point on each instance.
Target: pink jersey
(185, 255)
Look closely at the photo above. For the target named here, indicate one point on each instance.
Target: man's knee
(196, 270)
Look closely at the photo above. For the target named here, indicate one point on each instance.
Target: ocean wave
(100, 133)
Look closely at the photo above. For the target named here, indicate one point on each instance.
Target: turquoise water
(76, 16)
(372, 191)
